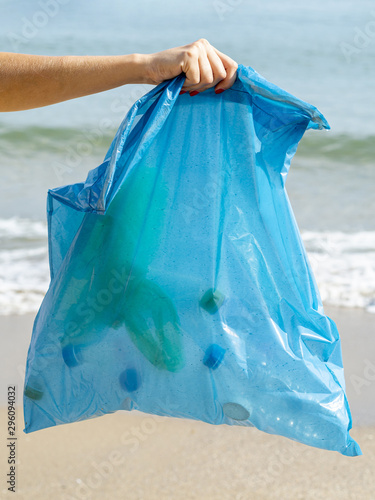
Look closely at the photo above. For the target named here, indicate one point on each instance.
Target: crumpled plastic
(179, 282)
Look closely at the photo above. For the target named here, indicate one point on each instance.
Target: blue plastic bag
(179, 282)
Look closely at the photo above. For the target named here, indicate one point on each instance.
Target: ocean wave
(338, 148)
(24, 229)
(343, 265)
(332, 147)
(24, 274)
(55, 140)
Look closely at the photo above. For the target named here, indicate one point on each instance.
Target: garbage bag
(179, 282)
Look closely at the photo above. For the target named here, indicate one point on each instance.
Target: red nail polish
(219, 91)
(183, 92)
(195, 92)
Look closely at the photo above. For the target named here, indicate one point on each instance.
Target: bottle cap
(214, 356)
(72, 355)
(130, 380)
(212, 300)
(33, 391)
(236, 411)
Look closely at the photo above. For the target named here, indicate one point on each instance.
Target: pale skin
(30, 81)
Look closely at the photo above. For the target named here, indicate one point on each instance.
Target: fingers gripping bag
(179, 282)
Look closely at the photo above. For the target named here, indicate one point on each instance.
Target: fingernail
(195, 92)
(219, 91)
(183, 92)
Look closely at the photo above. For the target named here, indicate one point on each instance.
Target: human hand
(203, 65)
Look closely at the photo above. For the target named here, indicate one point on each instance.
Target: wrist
(139, 65)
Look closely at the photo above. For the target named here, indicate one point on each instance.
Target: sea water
(322, 52)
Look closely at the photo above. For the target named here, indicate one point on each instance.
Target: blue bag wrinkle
(265, 91)
(180, 285)
(99, 188)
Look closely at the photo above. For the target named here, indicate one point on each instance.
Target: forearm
(28, 81)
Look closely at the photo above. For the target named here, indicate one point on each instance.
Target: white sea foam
(343, 265)
(16, 227)
(24, 274)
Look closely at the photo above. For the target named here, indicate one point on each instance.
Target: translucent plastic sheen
(179, 282)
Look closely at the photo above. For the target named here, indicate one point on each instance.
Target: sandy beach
(138, 456)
